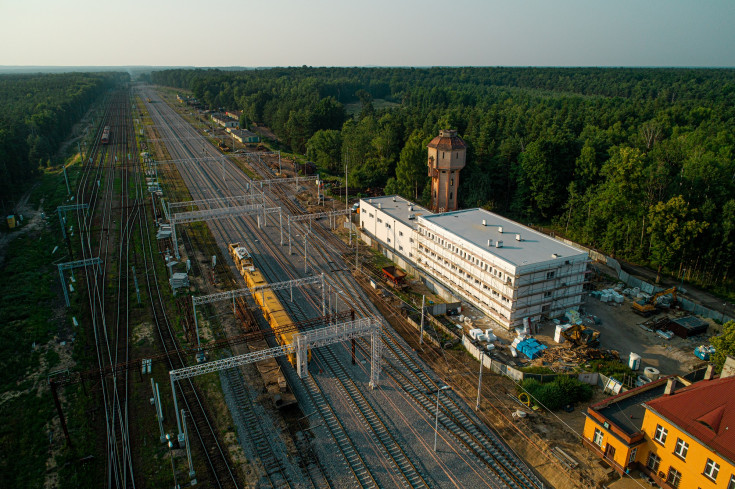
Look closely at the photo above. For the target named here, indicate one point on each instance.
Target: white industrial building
(505, 269)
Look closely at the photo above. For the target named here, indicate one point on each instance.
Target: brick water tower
(447, 154)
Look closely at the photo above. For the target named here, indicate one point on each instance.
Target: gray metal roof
(534, 247)
(627, 414)
(399, 208)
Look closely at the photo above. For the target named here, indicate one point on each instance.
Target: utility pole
(479, 382)
(347, 198)
(421, 336)
(66, 179)
(192, 473)
(436, 421)
(306, 234)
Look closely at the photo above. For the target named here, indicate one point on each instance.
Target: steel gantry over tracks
(216, 202)
(303, 342)
(332, 215)
(71, 265)
(234, 294)
(62, 210)
(221, 213)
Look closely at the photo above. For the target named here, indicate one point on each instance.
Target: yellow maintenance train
(273, 310)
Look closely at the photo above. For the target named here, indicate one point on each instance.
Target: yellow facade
(617, 447)
(692, 467)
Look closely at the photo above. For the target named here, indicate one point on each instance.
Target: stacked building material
(531, 348)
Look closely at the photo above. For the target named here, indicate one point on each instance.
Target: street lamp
(436, 419)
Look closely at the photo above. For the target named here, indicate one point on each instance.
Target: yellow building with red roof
(680, 434)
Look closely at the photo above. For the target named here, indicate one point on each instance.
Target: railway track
(110, 329)
(207, 176)
(221, 474)
(359, 468)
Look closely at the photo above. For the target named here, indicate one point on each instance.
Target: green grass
(26, 300)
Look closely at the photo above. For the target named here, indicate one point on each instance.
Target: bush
(611, 368)
(538, 370)
(561, 391)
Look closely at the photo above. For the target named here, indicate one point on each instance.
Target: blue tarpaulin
(531, 348)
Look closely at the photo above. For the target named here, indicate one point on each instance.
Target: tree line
(38, 112)
(637, 163)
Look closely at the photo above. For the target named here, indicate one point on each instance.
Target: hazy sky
(374, 32)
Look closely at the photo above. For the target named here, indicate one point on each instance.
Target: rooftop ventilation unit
(484, 222)
(410, 207)
(518, 237)
(394, 199)
(500, 229)
(498, 244)
(490, 243)
(411, 217)
(380, 206)
(555, 255)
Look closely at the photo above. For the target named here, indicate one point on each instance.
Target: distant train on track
(105, 135)
(273, 310)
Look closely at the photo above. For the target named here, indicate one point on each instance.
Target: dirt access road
(32, 220)
(691, 292)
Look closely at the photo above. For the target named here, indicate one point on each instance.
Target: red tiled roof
(447, 143)
(705, 410)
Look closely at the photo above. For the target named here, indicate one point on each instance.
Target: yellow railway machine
(270, 305)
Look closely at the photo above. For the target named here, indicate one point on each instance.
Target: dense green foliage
(611, 368)
(561, 391)
(37, 113)
(635, 162)
(724, 344)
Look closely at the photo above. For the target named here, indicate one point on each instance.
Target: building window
(674, 477)
(731, 485)
(653, 462)
(711, 469)
(633, 453)
(661, 434)
(545, 308)
(400, 233)
(597, 438)
(389, 240)
(682, 448)
(549, 275)
(547, 294)
(451, 182)
(400, 248)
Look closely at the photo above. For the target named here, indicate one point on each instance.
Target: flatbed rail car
(105, 135)
(273, 310)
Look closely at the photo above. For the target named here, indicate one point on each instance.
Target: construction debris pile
(566, 356)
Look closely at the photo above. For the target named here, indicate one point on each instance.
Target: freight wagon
(105, 135)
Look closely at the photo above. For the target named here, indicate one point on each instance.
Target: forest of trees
(637, 163)
(38, 112)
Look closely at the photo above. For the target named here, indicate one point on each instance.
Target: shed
(687, 326)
